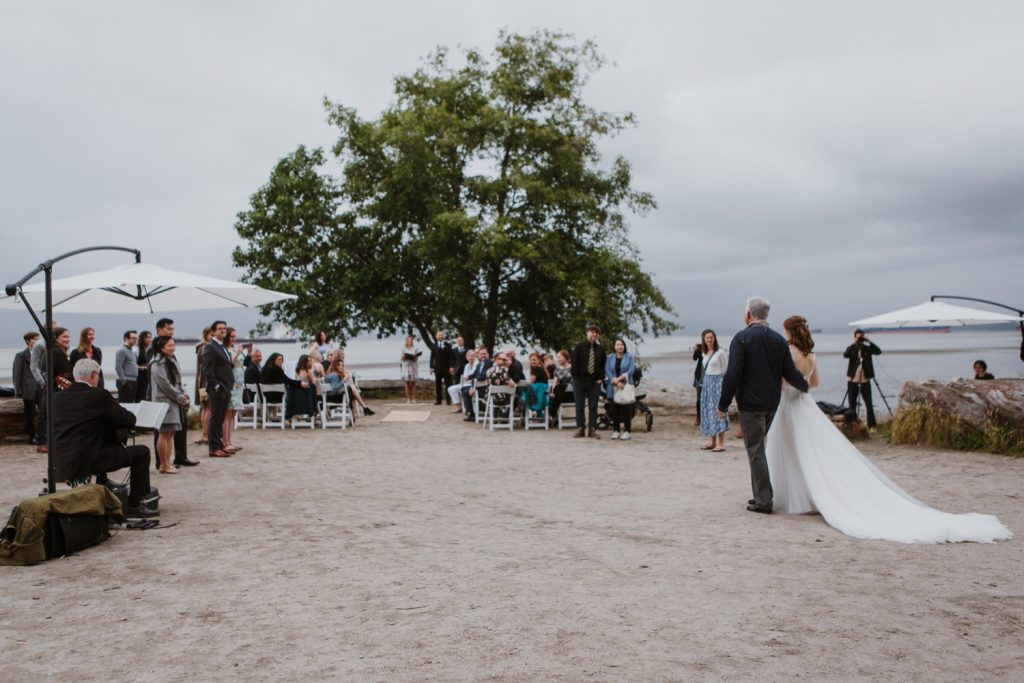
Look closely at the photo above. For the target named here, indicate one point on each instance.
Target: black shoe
(469, 418)
(140, 510)
(579, 434)
(763, 511)
(592, 433)
(437, 403)
(751, 502)
(186, 463)
(368, 411)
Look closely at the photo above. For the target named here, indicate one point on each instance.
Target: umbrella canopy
(143, 288)
(938, 314)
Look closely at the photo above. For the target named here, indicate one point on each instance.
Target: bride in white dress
(814, 468)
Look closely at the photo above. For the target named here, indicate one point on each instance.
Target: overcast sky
(841, 159)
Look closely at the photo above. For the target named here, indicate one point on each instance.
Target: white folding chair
(249, 414)
(480, 400)
(492, 417)
(567, 422)
(272, 412)
(537, 419)
(335, 410)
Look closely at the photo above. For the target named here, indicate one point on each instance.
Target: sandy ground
(436, 550)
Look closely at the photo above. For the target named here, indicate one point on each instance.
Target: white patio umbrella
(936, 314)
(143, 288)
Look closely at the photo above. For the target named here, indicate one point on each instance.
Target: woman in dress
(62, 367)
(301, 395)
(142, 388)
(814, 468)
(86, 349)
(618, 372)
(235, 403)
(410, 368)
(562, 391)
(714, 363)
(165, 378)
(537, 396)
(201, 398)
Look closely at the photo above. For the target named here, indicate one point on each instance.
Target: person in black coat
(442, 364)
(85, 424)
(860, 371)
(587, 375)
(25, 386)
(218, 373)
(759, 359)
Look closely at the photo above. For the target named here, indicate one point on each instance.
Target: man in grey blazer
(217, 373)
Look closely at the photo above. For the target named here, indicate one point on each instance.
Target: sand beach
(437, 550)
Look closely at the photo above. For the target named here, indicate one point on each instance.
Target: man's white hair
(84, 369)
(758, 307)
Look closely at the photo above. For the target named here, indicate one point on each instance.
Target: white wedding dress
(814, 468)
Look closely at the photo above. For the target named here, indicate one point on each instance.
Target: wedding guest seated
(85, 421)
(252, 372)
(498, 375)
(483, 364)
(341, 380)
(515, 368)
(981, 370)
(537, 393)
(301, 394)
(562, 391)
(465, 380)
(273, 373)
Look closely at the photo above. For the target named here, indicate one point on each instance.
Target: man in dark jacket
(85, 424)
(219, 377)
(443, 366)
(587, 376)
(859, 373)
(758, 360)
(25, 385)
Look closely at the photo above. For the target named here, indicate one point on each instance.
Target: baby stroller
(604, 419)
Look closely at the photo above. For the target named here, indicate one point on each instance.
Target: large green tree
(478, 201)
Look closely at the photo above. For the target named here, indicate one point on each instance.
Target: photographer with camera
(860, 372)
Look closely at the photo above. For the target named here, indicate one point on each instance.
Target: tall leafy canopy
(478, 201)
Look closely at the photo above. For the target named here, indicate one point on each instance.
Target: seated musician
(85, 422)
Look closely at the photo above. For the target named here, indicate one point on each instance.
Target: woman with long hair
(87, 349)
(142, 388)
(340, 379)
(62, 367)
(165, 378)
(235, 402)
(815, 468)
(714, 362)
(537, 394)
(201, 398)
(410, 367)
(562, 391)
(300, 398)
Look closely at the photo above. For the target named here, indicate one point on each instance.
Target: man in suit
(587, 376)
(859, 373)
(217, 371)
(85, 424)
(441, 364)
(459, 360)
(758, 360)
(25, 385)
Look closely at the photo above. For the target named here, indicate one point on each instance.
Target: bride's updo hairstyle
(799, 333)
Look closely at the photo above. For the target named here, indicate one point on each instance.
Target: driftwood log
(962, 414)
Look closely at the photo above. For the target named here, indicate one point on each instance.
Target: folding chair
(242, 415)
(335, 410)
(563, 421)
(480, 400)
(492, 418)
(269, 408)
(537, 419)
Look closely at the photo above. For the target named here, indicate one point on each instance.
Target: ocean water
(905, 357)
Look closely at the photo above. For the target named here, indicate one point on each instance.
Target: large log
(963, 414)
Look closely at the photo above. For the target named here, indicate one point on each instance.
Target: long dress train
(815, 468)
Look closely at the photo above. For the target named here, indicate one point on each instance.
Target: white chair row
(486, 414)
(332, 410)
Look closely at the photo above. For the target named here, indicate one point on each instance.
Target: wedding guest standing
(202, 399)
(126, 365)
(25, 386)
(145, 343)
(86, 349)
(235, 403)
(714, 364)
(410, 367)
(981, 370)
(219, 378)
(588, 358)
(442, 367)
(618, 372)
(166, 386)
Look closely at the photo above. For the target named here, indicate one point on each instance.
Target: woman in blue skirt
(714, 363)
